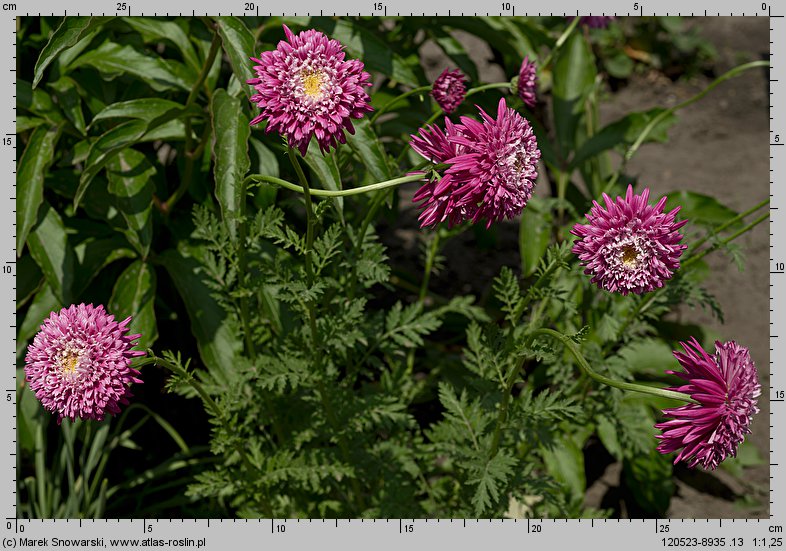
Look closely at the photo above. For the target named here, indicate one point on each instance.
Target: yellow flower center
(312, 83)
(70, 363)
(629, 256)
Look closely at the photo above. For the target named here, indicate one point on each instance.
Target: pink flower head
(449, 90)
(305, 88)
(726, 387)
(78, 364)
(629, 246)
(492, 168)
(595, 22)
(528, 82)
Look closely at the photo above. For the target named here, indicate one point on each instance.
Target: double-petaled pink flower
(528, 83)
(725, 387)
(449, 90)
(307, 89)
(79, 363)
(629, 246)
(492, 168)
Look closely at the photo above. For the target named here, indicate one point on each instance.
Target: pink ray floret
(726, 387)
(629, 246)
(79, 363)
(492, 168)
(449, 90)
(306, 89)
(528, 83)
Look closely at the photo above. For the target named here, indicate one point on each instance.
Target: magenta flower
(492, 168)
(528, 82)
(305, 88)
(449, 90)
(78, 364)
(630, 246)
(726, 387)
(595, 22)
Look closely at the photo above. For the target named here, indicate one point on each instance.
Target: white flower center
(628, 252)
(517, 165)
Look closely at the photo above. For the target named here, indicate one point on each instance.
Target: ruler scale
(455, 534)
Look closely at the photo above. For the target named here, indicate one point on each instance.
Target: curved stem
(560, 41)
(490, 86)
(622, 385)
(668, 112)
(732, 237)
(333, 193)
(698, 243)
(391, 103)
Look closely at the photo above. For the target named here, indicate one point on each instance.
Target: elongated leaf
(238, 43)
(70, 31)
(70, 102)
(154, 30)
(622, 132)
(134, 295)
(534, 233)
(364, 141)
(24, 124)
(37, 102)
(218, 344)
(93, 255)
(565, 462)
(33, 165)
(131, 183)
(28, 279)
(456, 52)
(105, 148)
(231, 132)
(574, 76)
(324, 167)
(113, 60)
(44, 302)
(700, 209)
(146, 109)
(649, 479)
(49, 246)
(364, 44)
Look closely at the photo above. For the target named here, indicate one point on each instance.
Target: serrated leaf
(130, 182)
(134, 295)
(491, 480)
(70, 31)
(49, 246)
(33, 166)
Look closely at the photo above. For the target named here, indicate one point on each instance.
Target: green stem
(502, 414)
(391, 103)
(245, 317)
(560, 41)
(668, 112)
(490, 86)
(695, 245)
(563, 177)
(622, 385)
(545, 276)
(431, 255)
(333, 193)
(719, 244)
(211, 57)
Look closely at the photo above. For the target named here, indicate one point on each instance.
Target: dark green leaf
(574, 77)
(94, 254)
(44, 303)
(67, 34)
(33, 165)
(134, 295)
(364, 141)
(648, 477)
(155, 29)
(70, 102)
(146, 109)
(114, 60)
(238, 43)
(231, 133)
(24, 124)
(131, 182)
(700, 209)
(565, 462)
(456, 52)
(28, 279)
(623, 132)
(49, 246)
(364, 44)
(37, 102)
(218, 344)
(534, 234)
(324, 167)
